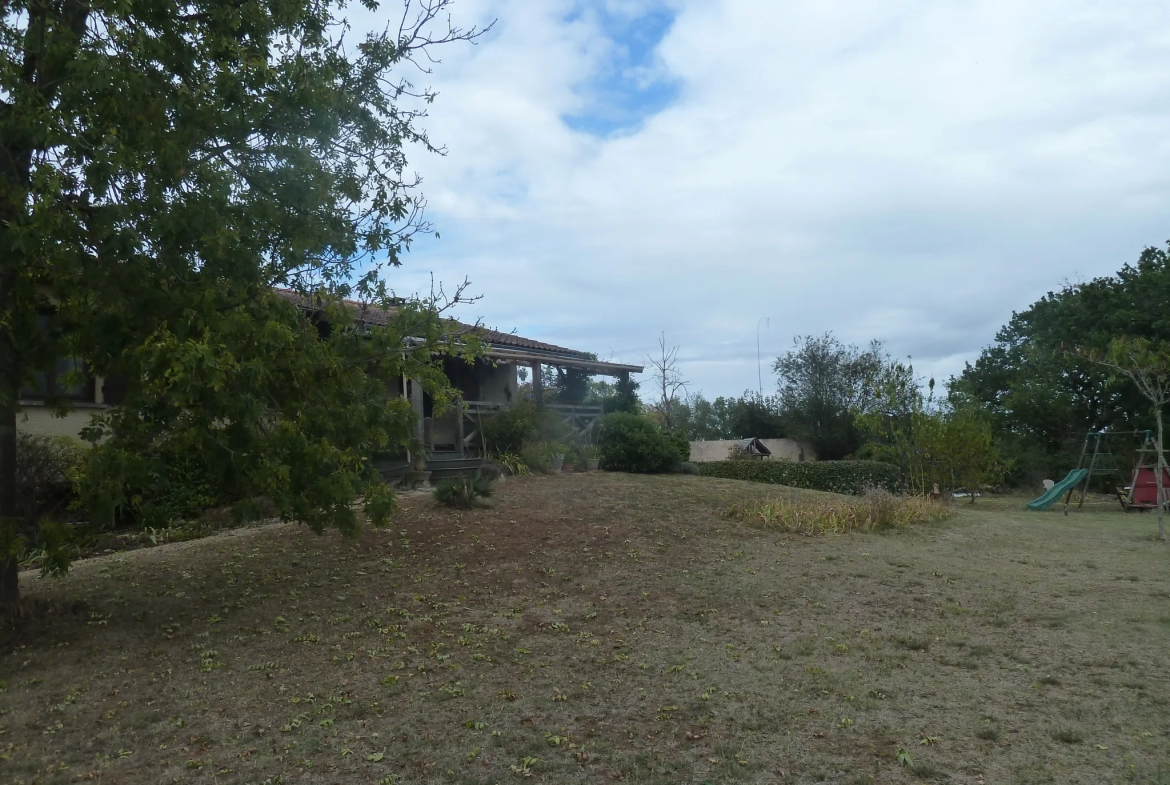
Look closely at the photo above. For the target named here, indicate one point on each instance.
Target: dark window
(113, 390)
(464, 377)
(68, 380)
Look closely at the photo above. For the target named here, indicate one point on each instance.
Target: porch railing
(473, 413)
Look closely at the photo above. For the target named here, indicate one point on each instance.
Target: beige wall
(498, 383)
(790, 449)
(42, 421)
(781, 449)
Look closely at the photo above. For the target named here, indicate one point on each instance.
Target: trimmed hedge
(854, 477)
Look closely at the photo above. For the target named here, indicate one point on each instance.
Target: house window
(61, 383)
(69, 379)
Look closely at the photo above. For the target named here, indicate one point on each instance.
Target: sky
(722, 171)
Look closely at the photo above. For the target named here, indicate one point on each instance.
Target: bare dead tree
(669, 380)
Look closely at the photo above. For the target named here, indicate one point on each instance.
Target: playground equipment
(1141, 493)
(1053, 494)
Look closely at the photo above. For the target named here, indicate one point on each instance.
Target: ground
(605, 628)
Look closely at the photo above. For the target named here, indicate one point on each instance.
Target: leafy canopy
(825, 383)
(1039, 380)
(163, 165)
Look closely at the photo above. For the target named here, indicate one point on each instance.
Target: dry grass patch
(877, 510)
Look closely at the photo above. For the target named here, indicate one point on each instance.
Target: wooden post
(537, 384)
(459, 426)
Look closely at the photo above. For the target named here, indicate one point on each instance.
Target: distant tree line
(1039, 382)
(1019, 413)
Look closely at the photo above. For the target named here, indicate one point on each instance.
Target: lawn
(605, 628)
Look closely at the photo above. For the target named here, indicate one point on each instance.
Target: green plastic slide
(1050, 497)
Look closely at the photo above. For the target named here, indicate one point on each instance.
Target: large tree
(163, 165)
(825, 384)
(1037, 380)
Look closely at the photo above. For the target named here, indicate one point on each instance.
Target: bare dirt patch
(601, 627)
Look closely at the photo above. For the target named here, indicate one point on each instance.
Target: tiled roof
(381, 316)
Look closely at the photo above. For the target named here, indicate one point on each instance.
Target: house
(453, 439)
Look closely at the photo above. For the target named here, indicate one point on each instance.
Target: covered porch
(454, 439)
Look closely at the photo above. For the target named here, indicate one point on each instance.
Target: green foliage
(512, 463)
(853, 477)
(463, 492)
(681, 443)
(621, 396)
(205, 155)
(538, 456)
(1039, 380)
(748, 416)
(930, 444)
(825, 383)
(252, 401)
(524, 424)
(633, 443)
(47, 470)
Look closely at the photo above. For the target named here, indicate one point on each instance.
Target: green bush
(633, 443)
(172, 482)
(47, 468)
(538, 455)
(681, 442)
(524, 424)
(854, 477)
(463, 492)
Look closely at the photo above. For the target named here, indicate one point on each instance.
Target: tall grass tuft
(463, 492)
(877, 510)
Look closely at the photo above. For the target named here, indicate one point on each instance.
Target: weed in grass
(927, 771)
(1067, 735)
(912, 642)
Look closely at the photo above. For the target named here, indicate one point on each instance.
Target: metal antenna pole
(759, 367)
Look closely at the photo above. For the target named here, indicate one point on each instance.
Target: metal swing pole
(1092, 466)
(1080, 465)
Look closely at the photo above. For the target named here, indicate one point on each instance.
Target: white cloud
(909, 170)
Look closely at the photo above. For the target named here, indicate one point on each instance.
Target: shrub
(855, 477)
(173, 482)
(632, 443)
(524, 424)
(512, 463)
(875, 511)
(681, 442)
(538, 456)
(47, 468)
(510, 430)
(463, 492)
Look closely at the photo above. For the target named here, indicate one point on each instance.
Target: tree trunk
(1161, 462)
(9, 576)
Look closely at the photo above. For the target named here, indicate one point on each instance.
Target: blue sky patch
(632, 86)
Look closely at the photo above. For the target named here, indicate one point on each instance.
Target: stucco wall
(497, 383)
(789, 449)
(42, 421)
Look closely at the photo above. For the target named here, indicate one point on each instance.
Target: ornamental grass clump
(877, 510)
(463, 492)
